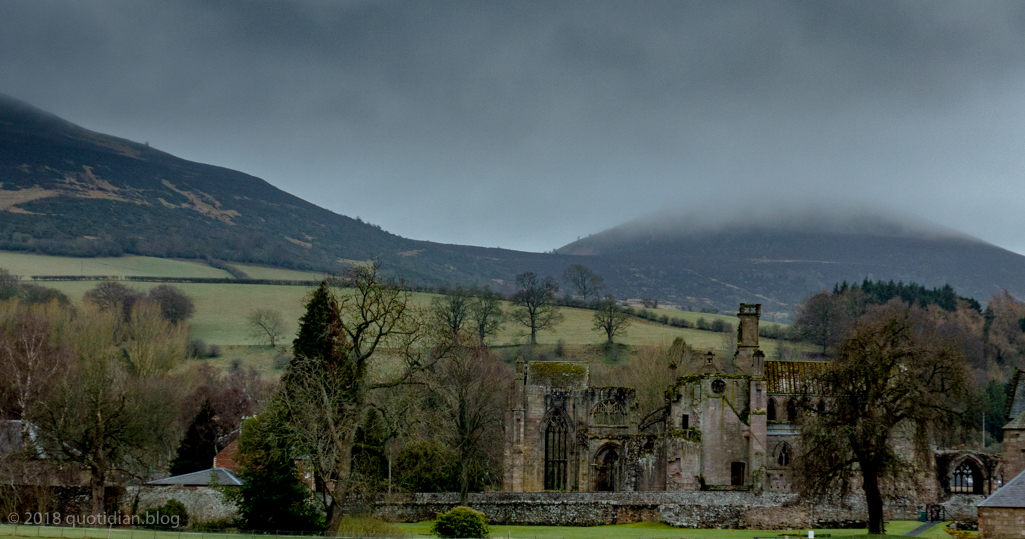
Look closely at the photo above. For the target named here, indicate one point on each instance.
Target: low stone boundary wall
(730, 510)
(203, 504)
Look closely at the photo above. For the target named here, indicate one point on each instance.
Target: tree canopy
(894, 387)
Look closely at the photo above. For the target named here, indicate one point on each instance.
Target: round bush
(461, 522)
(170, 515)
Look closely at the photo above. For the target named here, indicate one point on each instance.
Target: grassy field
(263, 272)
(693, 317)
(29, 264)
(221, 309)
(639, 530)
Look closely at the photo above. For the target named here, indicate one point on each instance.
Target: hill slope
(784, 261)
(65, 190)
(70, 191)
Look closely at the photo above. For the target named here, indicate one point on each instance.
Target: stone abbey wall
(707, 509)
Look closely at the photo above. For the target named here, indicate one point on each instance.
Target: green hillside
(221, 308)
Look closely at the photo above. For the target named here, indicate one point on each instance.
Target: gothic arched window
(783, 454)
(792, 411)
(556, 453)
(770, 410)
(610, 412)
(966, 479)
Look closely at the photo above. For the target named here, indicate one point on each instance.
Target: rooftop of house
(1011, 495)
(203, 478)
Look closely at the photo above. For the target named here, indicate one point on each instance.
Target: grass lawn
(657, 530)
(640, 530)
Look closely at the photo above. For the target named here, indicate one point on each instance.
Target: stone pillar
(758, 434)
(514, 439)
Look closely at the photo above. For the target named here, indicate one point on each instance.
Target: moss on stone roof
(557, 374)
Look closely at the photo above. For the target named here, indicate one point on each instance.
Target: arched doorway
(556, 453)
(966, 479)
(606, 469)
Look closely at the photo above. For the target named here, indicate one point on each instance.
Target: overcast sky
(525, 125)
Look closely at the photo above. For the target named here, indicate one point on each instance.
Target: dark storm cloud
(526, 124)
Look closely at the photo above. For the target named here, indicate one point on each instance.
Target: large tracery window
(556, 453)
(609, 412)
(966, 479)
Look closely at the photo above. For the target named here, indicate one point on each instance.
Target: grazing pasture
(221, 308)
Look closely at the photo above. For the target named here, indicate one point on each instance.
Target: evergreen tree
(272, 496)
(198, 448)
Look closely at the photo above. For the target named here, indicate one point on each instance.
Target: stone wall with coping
(707, 509)
(203, 504)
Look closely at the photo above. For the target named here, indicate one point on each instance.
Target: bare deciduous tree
(325, 393)
(472, 385)
(587, 283)
(34, 355)
(535, 301)
(610, 318)
(486, 314)
(175, 305)
(895, 386)
(115, 413)
(266, 325)
(452, 310)
(110, 296)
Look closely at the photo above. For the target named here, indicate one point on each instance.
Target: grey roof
(1017, 423)
(1012, 494)
(200, 479)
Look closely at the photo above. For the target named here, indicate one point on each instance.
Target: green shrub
(427, 466)
(461, 522)
(170, 515)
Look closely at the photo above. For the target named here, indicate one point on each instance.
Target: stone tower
(748, 359)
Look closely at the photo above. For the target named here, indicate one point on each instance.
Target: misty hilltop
(775, 257)
(66, 190)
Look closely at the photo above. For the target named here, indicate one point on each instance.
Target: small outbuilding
(1002, 515)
